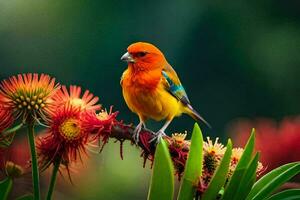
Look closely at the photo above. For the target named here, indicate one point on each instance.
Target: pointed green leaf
(291, 194)
(7, 136)
(248, 179)
(193, 167)
(5, 188)
(247, 154)
(162, 180)
(219, 178)
(268, 178)
(276, 182)
(13, 129)
(6, 140)
(240, 169)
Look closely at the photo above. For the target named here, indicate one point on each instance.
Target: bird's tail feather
(196, 116)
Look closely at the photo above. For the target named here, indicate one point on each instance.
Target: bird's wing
(173, 85)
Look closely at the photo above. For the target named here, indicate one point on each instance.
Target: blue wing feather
(177, 90)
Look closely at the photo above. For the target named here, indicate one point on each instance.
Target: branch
(178, 147)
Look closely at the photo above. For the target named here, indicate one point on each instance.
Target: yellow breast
(155, 103)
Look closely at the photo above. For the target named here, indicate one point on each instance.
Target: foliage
(220, 175)
(240, 185)
(5, 188)
(193, 168)
(162, 186)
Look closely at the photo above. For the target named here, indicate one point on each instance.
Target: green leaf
(26, 197)
(6, 139)
(268, 178)
(5, 188)
(193, 167)
(7, 136)
(240, 169)
(248, 179)
(291, 194)
(13, 129)
(276, 182)
(162, 180)
(219, 178)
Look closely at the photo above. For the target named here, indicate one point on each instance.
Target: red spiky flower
(28, 96)
(100, 124)
(66, 138)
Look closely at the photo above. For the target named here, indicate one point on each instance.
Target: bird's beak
(127, 57)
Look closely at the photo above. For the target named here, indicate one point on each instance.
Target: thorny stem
(34, 165)
(53, 179)
(122, 132)
(126, 132)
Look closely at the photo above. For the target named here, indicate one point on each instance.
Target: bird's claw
(136, 133)
(157, 137)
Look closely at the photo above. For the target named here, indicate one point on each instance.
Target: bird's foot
(158, 136)
(136, 133)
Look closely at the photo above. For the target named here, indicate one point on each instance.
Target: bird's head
(144, 55)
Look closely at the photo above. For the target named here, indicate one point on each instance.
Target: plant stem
(53, 179)
(34, 165)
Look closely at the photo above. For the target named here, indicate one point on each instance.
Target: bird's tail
(195, 115)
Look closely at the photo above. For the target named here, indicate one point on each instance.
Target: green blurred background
(235, 59)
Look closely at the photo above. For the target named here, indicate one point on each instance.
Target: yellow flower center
(213, 148)
(70, 129)
(212, 151)
(103, 115)
(77, 102)
(179, 138)
(29, 102)
(236, 154)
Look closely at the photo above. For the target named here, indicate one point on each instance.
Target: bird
(152, 89)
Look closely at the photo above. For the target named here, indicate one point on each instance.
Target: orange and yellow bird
(152, 89)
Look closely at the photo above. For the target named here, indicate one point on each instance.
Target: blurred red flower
(6, 117)
(18, 152)
(15, 162)
(279, 143)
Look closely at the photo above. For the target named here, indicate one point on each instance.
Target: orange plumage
(151, 87)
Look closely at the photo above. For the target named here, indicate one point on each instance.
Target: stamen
(70, 129)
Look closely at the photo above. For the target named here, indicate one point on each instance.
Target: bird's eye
(141, 54)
